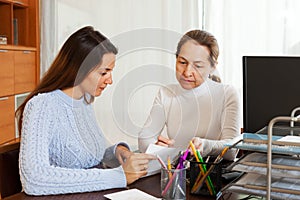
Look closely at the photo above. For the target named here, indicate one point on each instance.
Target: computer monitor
(271, 88)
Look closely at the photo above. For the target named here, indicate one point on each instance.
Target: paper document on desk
(132, 194)
(290, 138)
(256, 163)
(163, 152)
(249, 144)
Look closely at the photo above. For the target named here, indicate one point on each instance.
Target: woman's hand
(122, 153)
(198, 144)
(162, 141)
(136, 166)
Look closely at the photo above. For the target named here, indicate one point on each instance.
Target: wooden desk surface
(150, 185)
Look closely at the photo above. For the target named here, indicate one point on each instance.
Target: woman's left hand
(122, 153)
(198, 143)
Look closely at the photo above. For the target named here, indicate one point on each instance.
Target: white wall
(146, 33)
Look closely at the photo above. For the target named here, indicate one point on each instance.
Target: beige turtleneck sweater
(210, 111)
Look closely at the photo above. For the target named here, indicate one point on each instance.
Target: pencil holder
(173, 184)
(210, 185)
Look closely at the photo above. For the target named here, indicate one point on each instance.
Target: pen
(185, 155)
(201, 159)
(195, 187)
(169, 163)
(222, 154)
(198, 184)
(174, 186)
(177, 185)
(181, 190)
(208, 183)
(217, 160)
(207, 159)
(161, 162)
(169, 167)
(183, 158)
(170, 181)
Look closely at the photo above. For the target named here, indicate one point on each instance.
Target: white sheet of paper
(290, 138)
(132, 194)
(154, 166)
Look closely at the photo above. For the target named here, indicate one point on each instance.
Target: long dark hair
(79, 55)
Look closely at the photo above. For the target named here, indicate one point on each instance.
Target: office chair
(9, 169)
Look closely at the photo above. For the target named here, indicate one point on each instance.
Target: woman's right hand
(136, 166)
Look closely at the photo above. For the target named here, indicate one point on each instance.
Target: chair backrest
(9, 169)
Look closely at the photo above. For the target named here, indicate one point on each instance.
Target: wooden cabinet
(17, 71)
(7, 122)
(21, 2)
(19, 58)
(6, 72)
(5, 21)
(19, 22)
(25, 71)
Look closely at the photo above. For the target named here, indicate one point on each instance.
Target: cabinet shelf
(19, 47)
(19, 58)
(18, 22)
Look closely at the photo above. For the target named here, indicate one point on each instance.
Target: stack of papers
(256, 163)
(290, 138)
(262, 147)
(256, 184)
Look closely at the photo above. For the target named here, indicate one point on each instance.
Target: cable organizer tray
(259, 142)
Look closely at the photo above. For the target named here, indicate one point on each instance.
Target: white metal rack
(290, 119)
(271, 146)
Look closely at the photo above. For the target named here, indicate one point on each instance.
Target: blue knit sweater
(60, 142)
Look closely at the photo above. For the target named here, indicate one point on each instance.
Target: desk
(150, 185)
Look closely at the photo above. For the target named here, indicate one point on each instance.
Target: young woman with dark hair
(60, 137)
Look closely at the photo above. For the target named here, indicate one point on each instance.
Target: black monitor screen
(271, 88)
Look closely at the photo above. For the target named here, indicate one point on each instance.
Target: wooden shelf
(19, 47)
(19, 22)
(19, 57)
(7, 122)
